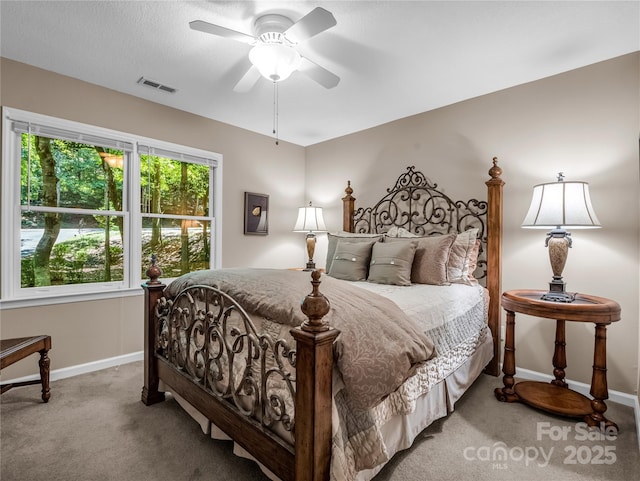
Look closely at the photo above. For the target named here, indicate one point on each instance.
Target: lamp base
(558, 241)
(311, 247)
(559, 297)
(557, 293)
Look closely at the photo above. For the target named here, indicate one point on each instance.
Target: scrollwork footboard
(249, 382)
(209, 337)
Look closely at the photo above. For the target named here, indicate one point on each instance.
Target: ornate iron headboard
(415, 204)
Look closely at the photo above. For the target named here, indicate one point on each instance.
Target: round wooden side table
(556, 397)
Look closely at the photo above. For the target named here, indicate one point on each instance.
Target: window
(174, 205)
(94, 204)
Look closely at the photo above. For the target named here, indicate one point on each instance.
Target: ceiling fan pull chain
(275, 110)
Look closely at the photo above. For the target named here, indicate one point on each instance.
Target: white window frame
(14, 296)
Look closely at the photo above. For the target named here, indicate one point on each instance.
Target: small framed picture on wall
(256, 218)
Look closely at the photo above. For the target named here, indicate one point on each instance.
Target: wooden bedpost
(152, 292)
(348, 203)
(494, 260)
(314, 366)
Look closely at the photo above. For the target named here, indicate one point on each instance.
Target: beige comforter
(378, 346)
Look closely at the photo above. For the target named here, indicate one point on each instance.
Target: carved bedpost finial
(495, 172)
(153, 272)
(315, 306)
(348, 190)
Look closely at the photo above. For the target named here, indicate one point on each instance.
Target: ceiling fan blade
(316, 21)
(207, 27)
(319, 74)
(248, 80)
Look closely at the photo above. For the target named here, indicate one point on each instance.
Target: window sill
(68, 298)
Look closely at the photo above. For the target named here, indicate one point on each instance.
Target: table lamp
(310, 220)
(558, 206)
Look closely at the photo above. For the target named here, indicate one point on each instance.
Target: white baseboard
(614, 396)
(84, 368)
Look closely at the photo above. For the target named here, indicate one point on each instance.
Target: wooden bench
(12, 350)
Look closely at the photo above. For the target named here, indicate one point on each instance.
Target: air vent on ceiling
(156, 85)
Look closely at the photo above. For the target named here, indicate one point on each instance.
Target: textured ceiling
(395, 58)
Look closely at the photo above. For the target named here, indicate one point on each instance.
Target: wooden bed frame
(308, 459)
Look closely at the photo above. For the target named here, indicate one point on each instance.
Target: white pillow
(396, 231)
(460, 257)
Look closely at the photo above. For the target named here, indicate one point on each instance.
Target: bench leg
(44, 374)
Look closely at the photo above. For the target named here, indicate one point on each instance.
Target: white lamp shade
(561, 204)
(310, 220)
(275, 61)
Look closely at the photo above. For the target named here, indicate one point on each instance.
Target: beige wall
(90, 331)
(584, 123)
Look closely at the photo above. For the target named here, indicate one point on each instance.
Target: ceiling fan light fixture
(275, 61)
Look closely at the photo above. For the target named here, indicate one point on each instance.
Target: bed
(327, 388)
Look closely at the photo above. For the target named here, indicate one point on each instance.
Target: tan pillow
(431, 257)
(351, 260)
(334, 237)
(460, 257)
(391, 263)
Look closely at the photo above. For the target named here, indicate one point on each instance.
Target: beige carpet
(95, 428)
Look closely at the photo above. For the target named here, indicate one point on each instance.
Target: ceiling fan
(273, 54)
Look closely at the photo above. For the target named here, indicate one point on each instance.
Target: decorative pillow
(395, 231)
(473, 262)
(333, 239)
(460, 257)
(431, 257)
(391, 263)
(351, 260)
